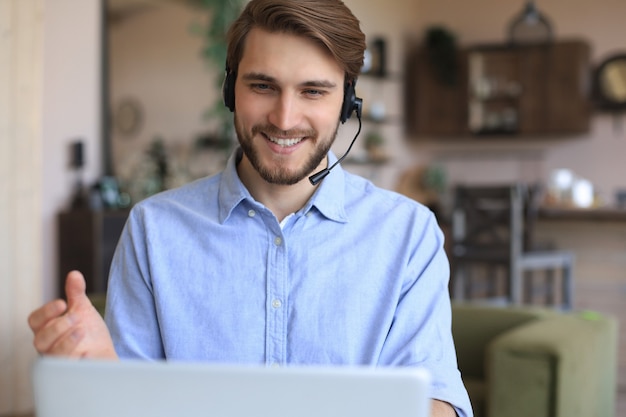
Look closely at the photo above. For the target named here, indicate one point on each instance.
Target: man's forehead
(275, 54)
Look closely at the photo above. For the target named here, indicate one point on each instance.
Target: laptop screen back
(90, 388)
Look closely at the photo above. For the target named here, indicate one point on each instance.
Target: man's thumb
(75, 287)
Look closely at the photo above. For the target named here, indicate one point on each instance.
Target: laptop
(130, 388)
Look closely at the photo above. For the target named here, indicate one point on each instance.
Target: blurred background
(107, 102)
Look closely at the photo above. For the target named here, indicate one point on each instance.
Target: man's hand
(441, 409)
(73, 329)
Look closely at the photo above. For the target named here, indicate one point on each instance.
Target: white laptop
(89, 388)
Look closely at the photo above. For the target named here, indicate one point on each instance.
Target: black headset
(351, 103)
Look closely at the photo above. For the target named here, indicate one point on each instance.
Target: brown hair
(328, 22)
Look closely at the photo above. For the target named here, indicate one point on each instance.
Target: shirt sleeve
(421, 333)
(130, 313)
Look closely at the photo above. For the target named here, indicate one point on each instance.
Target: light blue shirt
(358, 276)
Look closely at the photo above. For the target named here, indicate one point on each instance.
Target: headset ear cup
(351, 103)
(228, 90)
(348, 102)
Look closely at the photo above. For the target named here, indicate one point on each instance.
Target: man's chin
(282, 177)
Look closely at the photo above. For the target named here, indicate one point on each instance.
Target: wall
(155, 60)
(71, 111)
(49, 79)
(20, 183)
(596, 156)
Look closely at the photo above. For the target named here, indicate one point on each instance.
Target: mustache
(271, 130)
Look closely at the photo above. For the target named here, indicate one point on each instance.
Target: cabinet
(87, 240)
(505, 90)
(435, 107)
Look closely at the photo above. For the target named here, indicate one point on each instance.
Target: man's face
(288, 93)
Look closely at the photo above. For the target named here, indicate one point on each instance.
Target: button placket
(276, 296)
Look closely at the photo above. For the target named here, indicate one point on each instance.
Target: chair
(492, 239)
(521, 361)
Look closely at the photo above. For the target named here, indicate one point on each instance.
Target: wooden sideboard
(87, 240)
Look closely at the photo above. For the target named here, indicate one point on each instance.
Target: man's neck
(282, 200)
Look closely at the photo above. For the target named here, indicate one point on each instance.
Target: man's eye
(260, 86)
(314, 92)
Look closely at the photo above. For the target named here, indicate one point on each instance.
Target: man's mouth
(285, 142)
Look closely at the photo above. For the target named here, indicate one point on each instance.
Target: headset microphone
(320, 175)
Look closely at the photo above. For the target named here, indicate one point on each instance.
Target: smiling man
(256, 265)
(288, 93)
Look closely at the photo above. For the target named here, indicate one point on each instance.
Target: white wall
(49, 84)
(156, 61)
(71, 111)
(20, 185)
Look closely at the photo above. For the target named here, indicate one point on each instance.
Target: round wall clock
(128, 117)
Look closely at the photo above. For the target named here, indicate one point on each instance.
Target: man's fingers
(68, 344)
(38, 318)
(74, 328)
(53, 331)
(75, 288)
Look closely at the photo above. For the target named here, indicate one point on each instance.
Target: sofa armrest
(560, 366)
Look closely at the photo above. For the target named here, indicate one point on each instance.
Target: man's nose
(286, 113)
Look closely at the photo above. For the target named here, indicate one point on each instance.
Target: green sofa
(536, 362)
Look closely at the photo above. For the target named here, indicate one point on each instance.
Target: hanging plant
(222, 13)
(442, 52)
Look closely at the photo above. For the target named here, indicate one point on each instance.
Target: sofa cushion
(474, 326)
(570, 361)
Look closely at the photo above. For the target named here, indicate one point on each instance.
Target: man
(256, 264)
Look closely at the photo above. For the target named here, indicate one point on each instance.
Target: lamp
(530, 26)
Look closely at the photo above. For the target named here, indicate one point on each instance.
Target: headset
(351, 103)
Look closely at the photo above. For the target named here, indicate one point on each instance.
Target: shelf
(607, 214)
(503, 90)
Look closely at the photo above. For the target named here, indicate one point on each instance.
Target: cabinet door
(556, 81)
(495, 91)
(534, 72)
(434, 107)
(568, 88)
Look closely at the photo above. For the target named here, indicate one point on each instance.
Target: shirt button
(276, 303)
(278, 241)
(251, 213)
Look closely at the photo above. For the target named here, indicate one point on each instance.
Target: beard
(276, 172)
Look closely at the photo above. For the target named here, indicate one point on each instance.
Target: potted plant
(222, 14)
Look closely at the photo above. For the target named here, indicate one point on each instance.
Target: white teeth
(285, 142)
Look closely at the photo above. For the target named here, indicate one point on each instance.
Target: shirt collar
(328, 199)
